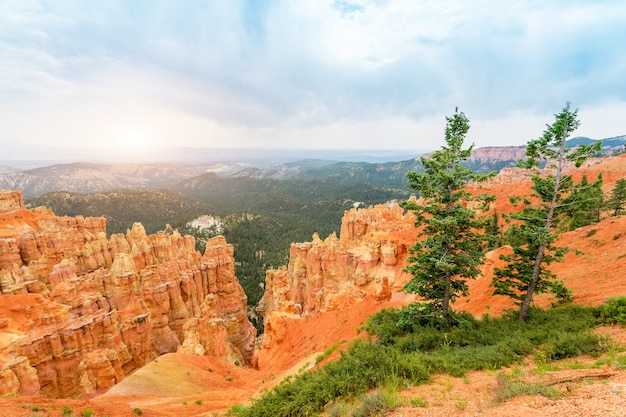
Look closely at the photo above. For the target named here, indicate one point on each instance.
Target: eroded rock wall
(326, 275)
(79, 309)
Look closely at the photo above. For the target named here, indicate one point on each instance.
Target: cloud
(255, 71)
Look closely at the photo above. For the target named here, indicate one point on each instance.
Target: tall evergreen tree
(617, 201)
(535, 232)
(450, 244)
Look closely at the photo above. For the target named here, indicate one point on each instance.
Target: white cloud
(360, 73)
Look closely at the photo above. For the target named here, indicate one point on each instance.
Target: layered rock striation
(79, 310)
(367, 261)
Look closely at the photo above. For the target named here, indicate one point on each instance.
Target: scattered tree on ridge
(618, 197)
(450, 244)
(584, 204)
(533, 236)
(493, 232)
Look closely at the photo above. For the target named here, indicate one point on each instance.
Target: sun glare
(133, 141)
(130, 147)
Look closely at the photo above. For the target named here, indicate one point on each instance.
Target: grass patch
(376, 404)
(338, 410)
(402, 355)
(419, 402)
(328, 352)
(511, 389)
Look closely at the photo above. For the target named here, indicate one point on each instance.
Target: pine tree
(618, 197)
(535, 233)
(493, 232)
(450, 244)
(584, 204)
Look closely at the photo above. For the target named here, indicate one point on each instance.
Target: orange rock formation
(367, 261)
(327, 290)
(79, 310)
(327, 275)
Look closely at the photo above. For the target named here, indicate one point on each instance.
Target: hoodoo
(80, 310)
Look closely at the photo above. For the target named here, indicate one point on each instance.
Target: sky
(124, 77)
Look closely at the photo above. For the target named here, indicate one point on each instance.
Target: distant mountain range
(609, 144)
(87, 177)
(390, 174)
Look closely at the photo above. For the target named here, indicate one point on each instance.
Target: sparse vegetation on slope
(399, 357)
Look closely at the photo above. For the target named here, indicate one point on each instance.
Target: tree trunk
(523, 314)
(445, 305)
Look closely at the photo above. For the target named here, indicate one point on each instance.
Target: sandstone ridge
(81, 310)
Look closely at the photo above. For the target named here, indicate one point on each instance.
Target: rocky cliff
(366, 262)
(79, 310)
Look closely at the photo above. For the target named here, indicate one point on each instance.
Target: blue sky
(119, 76)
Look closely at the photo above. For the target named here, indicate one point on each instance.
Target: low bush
(613, 312)
(398, 354)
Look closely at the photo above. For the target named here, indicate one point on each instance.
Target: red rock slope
(366, 263)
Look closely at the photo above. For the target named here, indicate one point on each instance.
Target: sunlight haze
(125, 78)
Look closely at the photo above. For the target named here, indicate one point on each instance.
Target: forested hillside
(152, 208)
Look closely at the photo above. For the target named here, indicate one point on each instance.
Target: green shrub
(67, 411)
(137, 411)
(613, 312)
(87, 412)
(569, 345)
(397, 356)
(234, 410)
(384, 325)
(419, 315)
